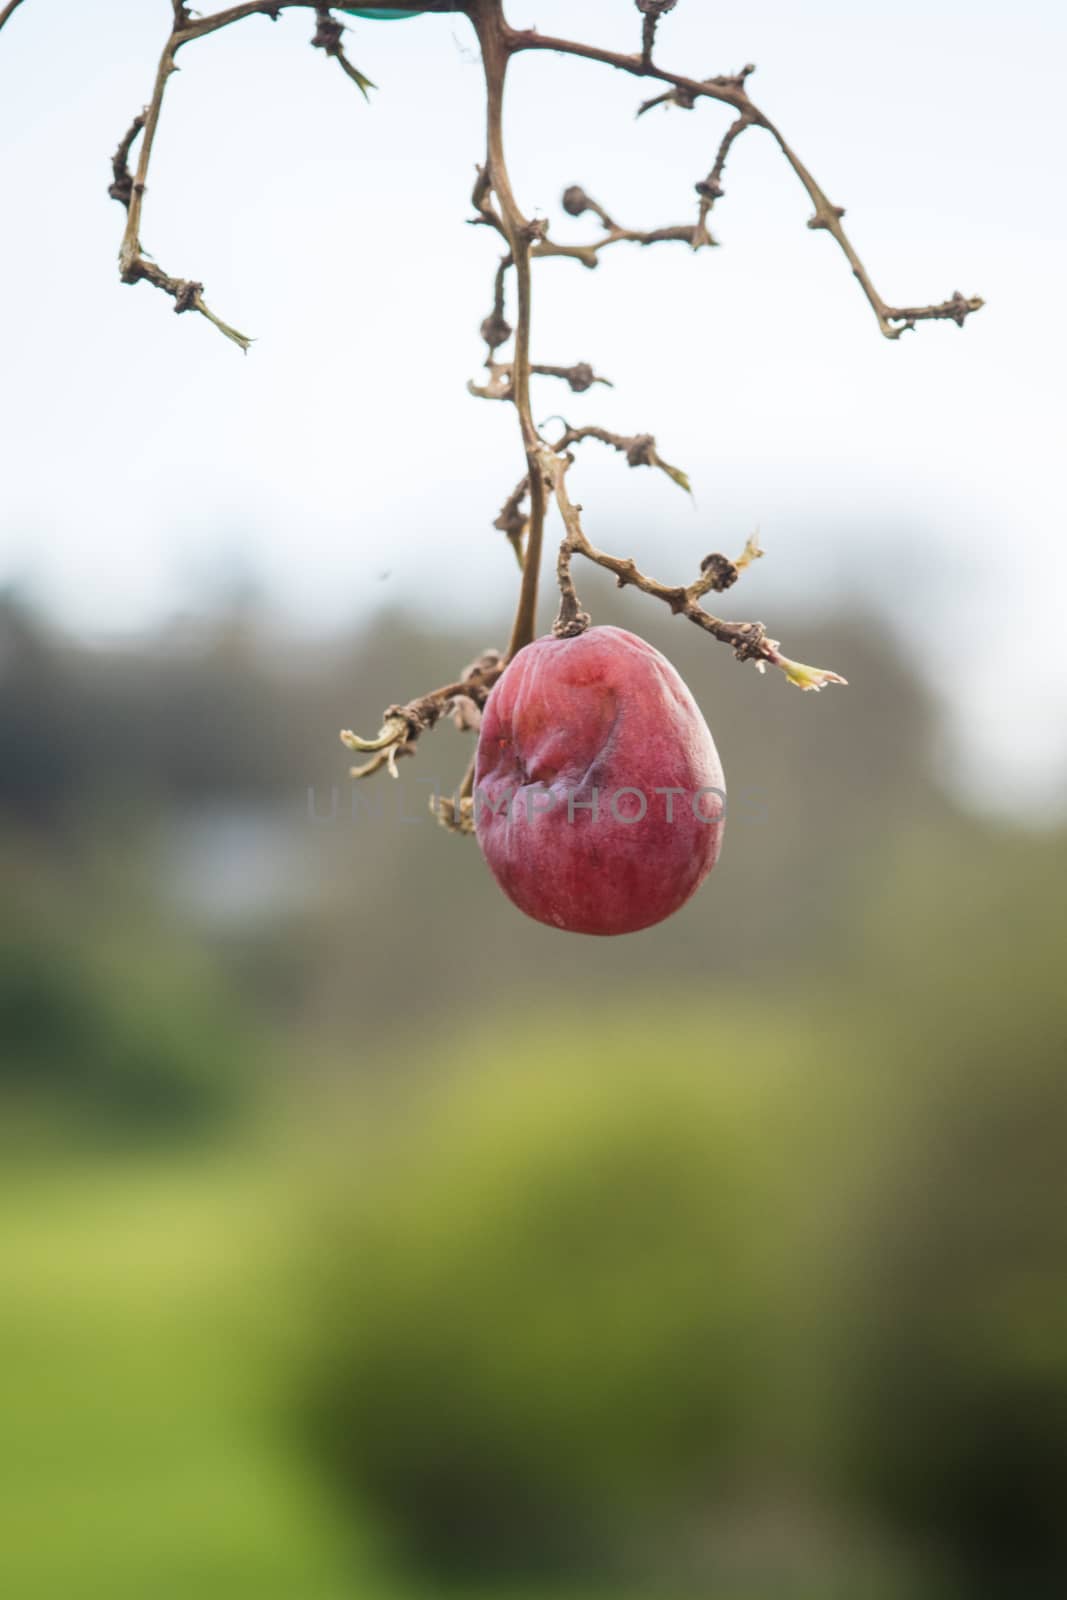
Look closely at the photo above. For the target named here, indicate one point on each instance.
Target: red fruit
(580, 739)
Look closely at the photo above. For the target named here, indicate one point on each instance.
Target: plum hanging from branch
(598, 794)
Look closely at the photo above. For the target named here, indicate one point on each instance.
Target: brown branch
(403, 725)
(9, 10)
(651, 11)
(748, 640)
(638, 448)
(500, 386)
(576, 202)
(135, 264)
(710, 188)
(580, 377)
(121, 186)
(955, 310)
(732, 91)
(682, 97)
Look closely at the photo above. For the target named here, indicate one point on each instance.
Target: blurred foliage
(357, 1236)
(525, 1362)
(109, 1034)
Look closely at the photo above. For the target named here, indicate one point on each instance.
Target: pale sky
(143, 455)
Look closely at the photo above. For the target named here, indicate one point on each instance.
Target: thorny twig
(134, 262)
(732, 91)
(748, 640)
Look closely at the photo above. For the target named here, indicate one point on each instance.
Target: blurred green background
(358, 1237)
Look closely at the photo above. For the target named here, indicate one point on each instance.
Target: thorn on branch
(822, 219)
(734, 80)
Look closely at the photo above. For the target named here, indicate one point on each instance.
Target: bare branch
(683, 97)
(579, 377)
(576, 202)
(651, 11)
(134, 262)
(638, 448)
(748, 640)
(9, 10)
(403, 725)
(121, 186)
(710, 188)
(732, 91)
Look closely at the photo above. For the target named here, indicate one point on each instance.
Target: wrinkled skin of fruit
(602, 712)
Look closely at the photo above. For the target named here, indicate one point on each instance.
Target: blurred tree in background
(350, 1247)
